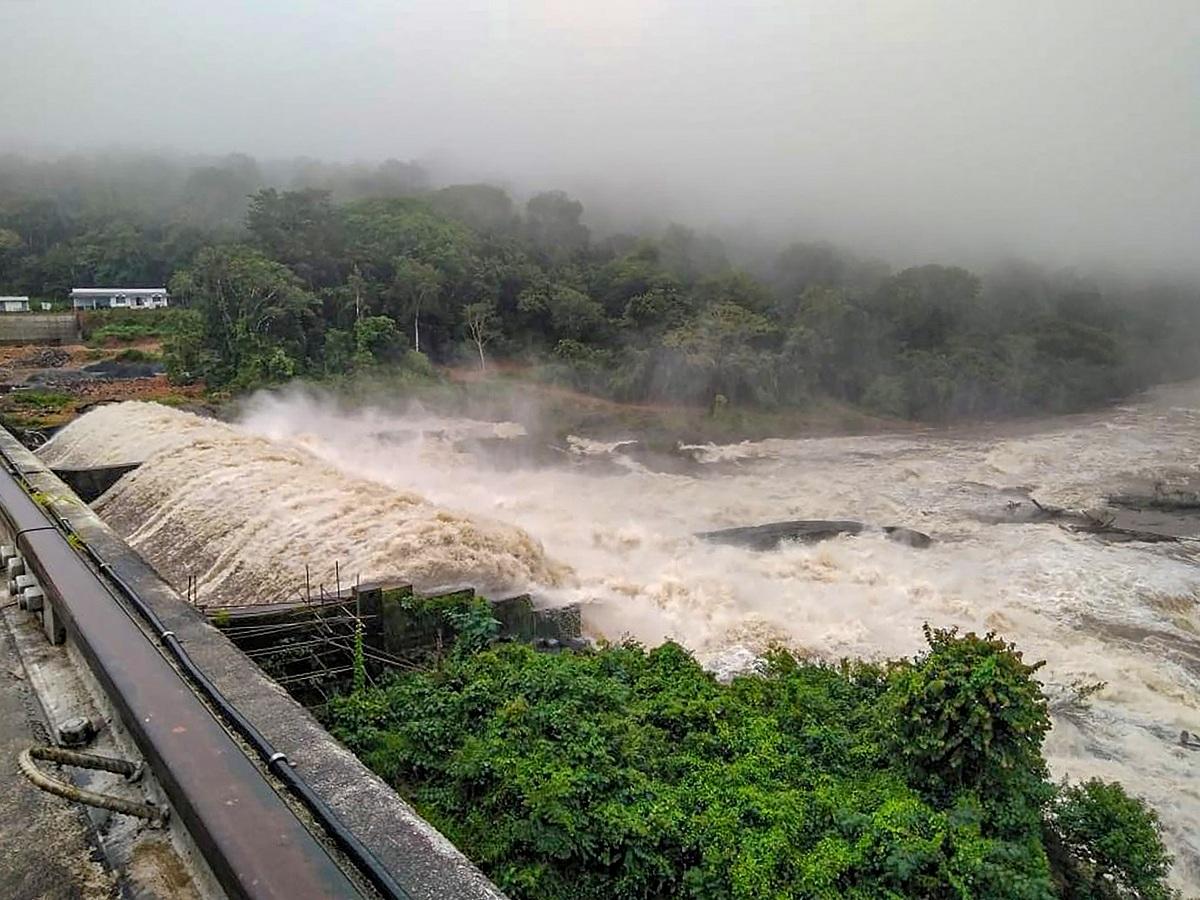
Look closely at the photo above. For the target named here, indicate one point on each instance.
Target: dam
(241, 509)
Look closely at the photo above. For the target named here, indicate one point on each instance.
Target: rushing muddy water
(1121, 614)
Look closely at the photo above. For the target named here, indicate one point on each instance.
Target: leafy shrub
(378, 339)
(184, 356)
(117, 326)
(627, 773)
(1108, 844)
(968, 714)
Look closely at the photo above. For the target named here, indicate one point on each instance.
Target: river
(618, 537)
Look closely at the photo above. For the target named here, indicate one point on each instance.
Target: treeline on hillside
(316, 270)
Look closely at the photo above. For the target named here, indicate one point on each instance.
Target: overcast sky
(1064, 129)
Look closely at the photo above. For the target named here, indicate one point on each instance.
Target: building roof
(106, 292)
(11, 299)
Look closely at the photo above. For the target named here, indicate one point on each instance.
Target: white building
(14, 304)
(119, 298)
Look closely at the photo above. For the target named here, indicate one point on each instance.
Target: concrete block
(520, 621)
(33, 599)
(21, 586)
(91, 483)
(56, 632)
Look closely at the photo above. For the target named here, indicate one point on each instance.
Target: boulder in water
(808, 531)
(909, 536)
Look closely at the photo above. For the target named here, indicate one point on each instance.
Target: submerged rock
(808, 531)
(1160, 497)
(1124, 524)
(909, 536)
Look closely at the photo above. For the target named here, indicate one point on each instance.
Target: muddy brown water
(620, 539)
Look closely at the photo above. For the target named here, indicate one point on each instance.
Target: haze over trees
(306, 269)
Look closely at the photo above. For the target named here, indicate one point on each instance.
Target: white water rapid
(1123, 614)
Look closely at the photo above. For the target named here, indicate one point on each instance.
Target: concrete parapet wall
(39, 328)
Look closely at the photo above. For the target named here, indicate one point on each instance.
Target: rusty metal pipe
(155, 815)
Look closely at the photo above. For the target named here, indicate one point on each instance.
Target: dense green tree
(562, 312)
(689, 256)
(378, 232)
(720, 352)
(835, 340)
(482, 207)
(216, 196)
(185, 356)
(1107, 845)
(416, 289)
(926, 304)
(801, 266)
(634, 274)
(300, 229)
(377, 340)
(734, 286)
(257, 316)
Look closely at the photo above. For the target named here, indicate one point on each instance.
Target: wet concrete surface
(45, 849)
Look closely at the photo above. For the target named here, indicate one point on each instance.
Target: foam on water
(1125, 615)
(126, 432)
(245, 516)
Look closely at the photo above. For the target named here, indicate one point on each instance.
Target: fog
(1065, 132)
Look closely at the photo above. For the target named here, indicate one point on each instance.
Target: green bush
(1108, 844)
(377, 339)
(112, 326)
(627, 773)
(968, 714)
(184, 355)
(43, 401)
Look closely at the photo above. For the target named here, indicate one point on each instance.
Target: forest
(309, 269)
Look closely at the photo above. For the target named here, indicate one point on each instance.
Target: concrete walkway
(45, 851)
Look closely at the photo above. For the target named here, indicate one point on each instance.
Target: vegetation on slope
(355, 268)
(114, 327)
(627, 773)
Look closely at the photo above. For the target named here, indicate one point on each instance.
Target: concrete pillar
(56, 632)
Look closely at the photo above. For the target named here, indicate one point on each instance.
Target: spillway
(245, 517)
